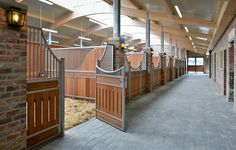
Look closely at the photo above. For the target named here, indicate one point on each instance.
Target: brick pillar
(182, 66)
(171, 68)
(185, 68)
(231, 86)
(12, 85)
(149, 69)
(177, 67)
(118, 53)
(163, 68)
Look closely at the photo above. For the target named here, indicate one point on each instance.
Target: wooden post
(61, 95)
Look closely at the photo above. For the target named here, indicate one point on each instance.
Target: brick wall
(163, 68)
(217, 68)
(12, 85)
(231, 73)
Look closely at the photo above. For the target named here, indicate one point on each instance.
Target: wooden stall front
(80, 66)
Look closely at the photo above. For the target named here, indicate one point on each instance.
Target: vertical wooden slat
(119, 103)
(38, 99)
(50, 65)
(45, 112)
(102, 98)
(57, 106)
(30, 116)
(116, 102)
(112, 101)
(52, 108)
(47, 61)
(41, 56)
(53, 66)
(97, 100)
(29, 53)
(33, 50)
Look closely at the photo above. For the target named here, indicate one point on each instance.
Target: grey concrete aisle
(188, 113)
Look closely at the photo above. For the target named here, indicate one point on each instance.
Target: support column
(148, 56)
(116, 41)
(116, 18)
(186, 62)
(147, 32)
(177, 62)
(210, 63)
(162, 41)
(171, 59)
(13, 53)
(162, 59)
(230, 65)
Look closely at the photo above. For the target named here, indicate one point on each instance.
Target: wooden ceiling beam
(137, 4)
(158, 16)
(226, 14)
(200, 48)
(199, 45)
(203, 42)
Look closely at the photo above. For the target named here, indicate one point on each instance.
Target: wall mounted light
(123, 45)
(152, 51)
(16, 17)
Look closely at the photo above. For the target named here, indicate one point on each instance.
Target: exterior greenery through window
(195, 61)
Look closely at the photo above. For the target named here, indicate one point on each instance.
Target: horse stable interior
(127, 74)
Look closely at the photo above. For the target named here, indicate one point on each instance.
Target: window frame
(194, 61)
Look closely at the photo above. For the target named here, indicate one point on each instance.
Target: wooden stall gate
(110, 96)
(45, 90)
(136, 75)
(80, 75)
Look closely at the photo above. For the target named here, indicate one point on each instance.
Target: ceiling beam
(167, 5)
(155, 16)
(19, 1)
(227, 13)
(64, 25)
(169, 8)
(199, 45)
(200, 48)
(158, 16)
(137, 4)
(51, 21)
(203, 42)
(84, 10)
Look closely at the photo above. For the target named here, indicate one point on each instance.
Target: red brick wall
(12, 85)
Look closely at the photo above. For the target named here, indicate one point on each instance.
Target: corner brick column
(163, 68)
(171, 68)
(118, 53)
(177, 67)
(149, 65)
(182, 67)
(231, 85)
(12, 85)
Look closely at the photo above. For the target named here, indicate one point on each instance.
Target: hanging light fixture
(16, 17)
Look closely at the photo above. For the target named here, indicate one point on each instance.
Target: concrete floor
(187, 114)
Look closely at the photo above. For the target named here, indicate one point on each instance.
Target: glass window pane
(191, 61)
(199, 61)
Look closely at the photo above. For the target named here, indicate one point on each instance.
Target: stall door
(110, 97)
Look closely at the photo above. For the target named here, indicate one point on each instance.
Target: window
(191, 61)
(199, 61)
